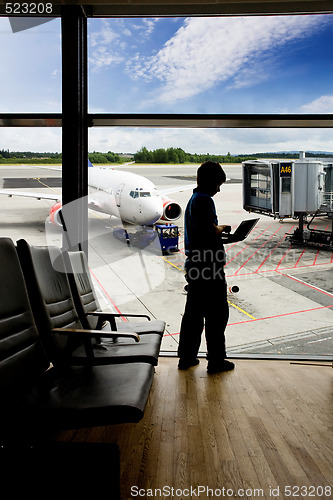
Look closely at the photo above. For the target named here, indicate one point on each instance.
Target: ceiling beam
(181, 8)
(175, 120)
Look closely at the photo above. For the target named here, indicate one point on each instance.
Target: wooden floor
(262, 431)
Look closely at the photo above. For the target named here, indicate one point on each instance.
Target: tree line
(178, 155)
(160, 155)
(14, 157)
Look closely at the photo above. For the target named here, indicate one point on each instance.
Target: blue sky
(279, 64)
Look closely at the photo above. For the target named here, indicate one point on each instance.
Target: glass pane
(285, 298)
(30, 176)
(31, 68)
(274, 64)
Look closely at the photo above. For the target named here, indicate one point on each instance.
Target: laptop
(242, 231)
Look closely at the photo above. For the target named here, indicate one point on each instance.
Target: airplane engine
(54, 214)
(171, 209)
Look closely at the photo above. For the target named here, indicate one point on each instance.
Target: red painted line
(108, 296)
(286, 253)
(280, 315)
(257, 250)
(248, 244)
(299, 258)
(315, 259)
(171, 334)
(265, 318)
(274, 270)
(263, 262)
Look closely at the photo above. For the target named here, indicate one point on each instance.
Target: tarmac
(284, 306)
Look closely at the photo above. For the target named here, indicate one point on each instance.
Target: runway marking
(274, 270)
(266, 318)
(171, 334)
(285, 255)
(263, 262)
(307, 284)
(256, 250)
(229, 302)
(43, 184)
(241, 310)
(280, 315)
(108, 296)
(172, 264)
(242, 250)
(299, 258)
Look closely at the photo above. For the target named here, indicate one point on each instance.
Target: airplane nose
(152, 210)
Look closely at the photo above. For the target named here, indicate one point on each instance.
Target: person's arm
(220, 229)
(225, 235)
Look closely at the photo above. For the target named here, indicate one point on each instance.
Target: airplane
(130, 197)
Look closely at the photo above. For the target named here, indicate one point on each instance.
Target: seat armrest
(95, 333)
(106, 314)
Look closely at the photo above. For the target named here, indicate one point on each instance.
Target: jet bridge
(291, 189)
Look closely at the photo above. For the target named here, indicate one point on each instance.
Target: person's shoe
(223, 366)
(185, 364)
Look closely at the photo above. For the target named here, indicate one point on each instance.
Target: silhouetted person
(206, 303)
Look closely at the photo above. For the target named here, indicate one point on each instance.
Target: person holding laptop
(206, 303)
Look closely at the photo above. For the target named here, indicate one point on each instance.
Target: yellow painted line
(241, 310)
(171, 264)
(230, 303)
(43, 184)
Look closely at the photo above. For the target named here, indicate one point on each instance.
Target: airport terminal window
(255, 64)
(286, 184)
(27, 167)
(31, 68)
(260, 186)
(155, 80)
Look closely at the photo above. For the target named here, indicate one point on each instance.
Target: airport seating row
(56, 372)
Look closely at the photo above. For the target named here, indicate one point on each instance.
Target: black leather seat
(88, 306)
(38, 398)
(54, 310)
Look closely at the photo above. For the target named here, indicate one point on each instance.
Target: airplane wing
(29, 194)
(177, 189)
(47, 167)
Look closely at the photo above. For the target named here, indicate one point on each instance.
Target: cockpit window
(141, 194)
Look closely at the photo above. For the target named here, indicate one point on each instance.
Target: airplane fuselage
(130, 197)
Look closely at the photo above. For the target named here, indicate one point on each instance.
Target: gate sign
(285, 169)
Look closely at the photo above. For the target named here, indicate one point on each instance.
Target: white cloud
(104, 36)
(149, 25)
(323, 104)
(213, 141)
(31, 139)
(104, 45)
(207, 51)
(102, 57)
(107, 44)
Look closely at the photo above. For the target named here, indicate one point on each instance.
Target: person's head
(210, 176)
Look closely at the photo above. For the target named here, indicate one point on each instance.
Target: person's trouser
(206, 306)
